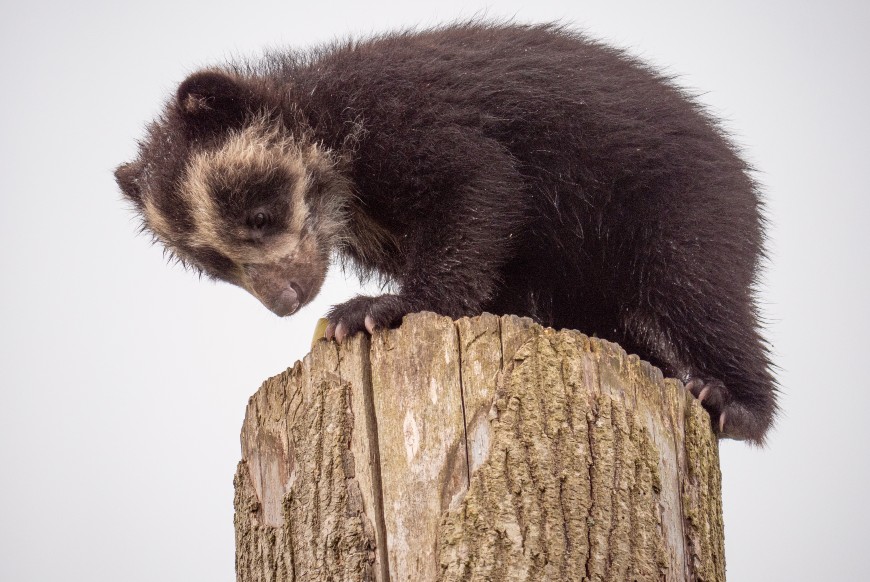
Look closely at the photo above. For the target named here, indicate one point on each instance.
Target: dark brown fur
(510, 169)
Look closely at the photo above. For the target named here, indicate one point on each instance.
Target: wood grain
(488, 448)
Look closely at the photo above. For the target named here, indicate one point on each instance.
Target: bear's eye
(259, 221)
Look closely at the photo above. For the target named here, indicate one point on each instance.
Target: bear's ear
(211, 100)
(126, 176)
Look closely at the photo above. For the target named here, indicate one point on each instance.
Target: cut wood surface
(487, 448)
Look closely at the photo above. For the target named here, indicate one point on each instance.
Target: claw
(370, 324)
(722, 423)
(340, 332)
(691, 385)
(704, 392)
(329, 333)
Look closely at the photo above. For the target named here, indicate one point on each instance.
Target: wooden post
(485, 449)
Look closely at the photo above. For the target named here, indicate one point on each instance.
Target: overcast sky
(123, 381)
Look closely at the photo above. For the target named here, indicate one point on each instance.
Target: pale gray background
(124, 381)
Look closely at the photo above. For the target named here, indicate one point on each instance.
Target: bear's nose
(282, 297)
(287, 302)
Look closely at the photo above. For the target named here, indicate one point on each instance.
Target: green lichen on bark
(573, 487)
(569, 490)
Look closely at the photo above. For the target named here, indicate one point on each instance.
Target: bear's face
(234, 190)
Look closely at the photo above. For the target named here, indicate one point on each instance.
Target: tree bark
(483, 449)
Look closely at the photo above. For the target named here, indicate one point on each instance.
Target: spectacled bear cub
(478, 167)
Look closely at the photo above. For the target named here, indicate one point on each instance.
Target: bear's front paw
(365, 313)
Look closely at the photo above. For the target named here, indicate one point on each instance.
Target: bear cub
(476, 167)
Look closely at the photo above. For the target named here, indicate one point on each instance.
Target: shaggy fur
(509, 169)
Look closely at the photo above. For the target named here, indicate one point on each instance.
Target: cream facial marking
(155, 220)
(286, 264)
(262, 150)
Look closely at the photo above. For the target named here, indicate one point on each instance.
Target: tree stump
(487, 449)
